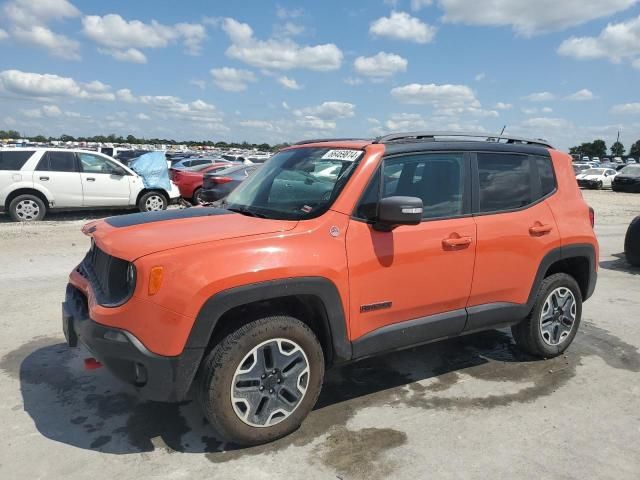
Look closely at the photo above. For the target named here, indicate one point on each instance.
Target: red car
(190, 182)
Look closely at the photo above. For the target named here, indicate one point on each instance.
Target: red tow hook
(91, 364)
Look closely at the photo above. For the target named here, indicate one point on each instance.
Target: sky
(567, 71)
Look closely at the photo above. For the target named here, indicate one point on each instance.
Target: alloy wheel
(558, 316)
(27, 210)
(154, 203)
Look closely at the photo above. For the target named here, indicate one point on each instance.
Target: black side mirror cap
(396, 211)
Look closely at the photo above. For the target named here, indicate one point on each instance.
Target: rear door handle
(456, 242)
(44, 179)
(91, 179)
(538, 229)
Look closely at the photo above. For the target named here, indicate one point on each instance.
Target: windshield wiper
(247, 212)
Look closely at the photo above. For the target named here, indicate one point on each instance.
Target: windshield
(594, 171)
(631, 170)
(295, 184)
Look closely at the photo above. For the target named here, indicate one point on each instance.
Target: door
(414, 272)
(516, 228)
(104, 182)
(57, 172)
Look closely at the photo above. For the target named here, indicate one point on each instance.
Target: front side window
(437, 179)
(58, 162)
(295, 184)
(95, 164)
(504, 182)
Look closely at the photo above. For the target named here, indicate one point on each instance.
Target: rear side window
(504, 182)
(547, 178)
(58, 162)
(14, 160)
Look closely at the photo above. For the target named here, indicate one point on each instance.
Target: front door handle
(44, 179)
(91, 179)
(456, 242)
(539, 229)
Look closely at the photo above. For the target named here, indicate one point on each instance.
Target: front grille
(107, 276)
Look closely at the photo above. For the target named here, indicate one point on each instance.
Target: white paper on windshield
(343, 155)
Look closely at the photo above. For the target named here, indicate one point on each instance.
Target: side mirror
(119, 171)
(396, 211)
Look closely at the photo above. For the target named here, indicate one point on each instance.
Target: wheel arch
(315, 299)
(26, 191)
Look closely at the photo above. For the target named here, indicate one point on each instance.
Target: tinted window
(95, 164)
(437, 179)
(504, 181)
(58, 162)
(547, 178)
(195, 163)
(14, 160)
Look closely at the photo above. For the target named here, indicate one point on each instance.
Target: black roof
(464, 146)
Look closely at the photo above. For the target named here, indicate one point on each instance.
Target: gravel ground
(468, 408)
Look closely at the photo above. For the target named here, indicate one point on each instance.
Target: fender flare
(220, 303)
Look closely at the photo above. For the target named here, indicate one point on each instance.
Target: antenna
(503, 129)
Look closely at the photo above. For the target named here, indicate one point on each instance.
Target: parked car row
(620, 178)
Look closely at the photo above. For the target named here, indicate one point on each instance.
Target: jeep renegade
(334, 251)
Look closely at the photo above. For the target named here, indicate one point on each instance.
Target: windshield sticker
(306, 209)
(343, 155)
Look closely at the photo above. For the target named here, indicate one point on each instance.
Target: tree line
(598, 148)
(132, 140)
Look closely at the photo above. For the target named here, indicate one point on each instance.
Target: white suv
(33, 181)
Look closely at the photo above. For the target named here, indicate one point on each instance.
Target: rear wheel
(197, 197)
(261, 381)
(632, 243)
(152, 202)
(553, 323)
(27, 208)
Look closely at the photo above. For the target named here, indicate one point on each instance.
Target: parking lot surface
(473, 407)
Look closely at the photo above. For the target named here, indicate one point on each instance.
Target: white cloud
(503, 106)
(530, 17)
(131, 55)
(581, 96)
(547, 122)
(289, 83)
(309, 121)
(125, 95)
(353, 81)
(3, 34)
(201, 84)
(540, 97)
(420, 4)
(329, 110)
(285, 13)
(402, 26)
(48, 111)
(617, 42)
(232, 79)
(406, 122)
(446, 100)
(278, 54)
(29, 19)
(547, 110)
(479, 77)
(143, 116)
(627, 109)
(288, 29)
(51, 111)
(380, 65)
(123, 39)
(261, 125)
(57, 45)
(48, 85)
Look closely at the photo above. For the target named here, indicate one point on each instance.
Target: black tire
(528, 335)
(152, 201)
(216, 374)
(599, 185)
(632, 243)
(197, 197)
(27, 208)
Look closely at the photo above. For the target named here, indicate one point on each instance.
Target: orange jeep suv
(334, 251)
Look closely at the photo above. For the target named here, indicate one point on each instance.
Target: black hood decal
(173, 214)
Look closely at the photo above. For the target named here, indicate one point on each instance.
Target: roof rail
(319, 140)
(458, 136)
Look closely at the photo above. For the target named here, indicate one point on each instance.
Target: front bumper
(589, 183)
(626, 187)
(156, 377)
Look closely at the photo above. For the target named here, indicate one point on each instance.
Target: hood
(133, 236)
(582, 176)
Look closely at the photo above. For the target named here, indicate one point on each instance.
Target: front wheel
(599, 185)
(553, 323)
(152, 202)
(197, 197)
(260, 382)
